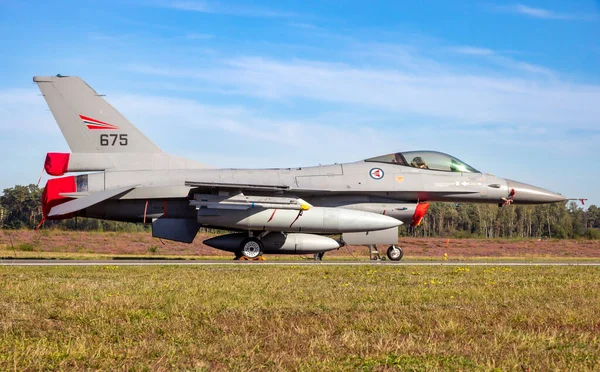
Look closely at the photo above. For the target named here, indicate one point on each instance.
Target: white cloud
(24, 110)
(225, 8)
(445, 93)
(542, 13)
(173, 120)
(305, 26)
(503, 60)
(196, 36)
(474, 51)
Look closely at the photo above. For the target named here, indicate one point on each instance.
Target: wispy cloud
(586, 133)
(196, 36)
(305, 26)
(474, 51)
(244, 128)
(542, 13)
(501, 59)
(24, 110)
(442, 92)
(225, 8)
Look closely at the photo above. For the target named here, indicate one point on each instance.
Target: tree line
(557, 220)
(20, 207)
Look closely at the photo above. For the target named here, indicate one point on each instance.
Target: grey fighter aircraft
(289, 210)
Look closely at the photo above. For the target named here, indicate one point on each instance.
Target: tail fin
(87, 121)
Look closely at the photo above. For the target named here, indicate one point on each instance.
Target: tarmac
(146, 262)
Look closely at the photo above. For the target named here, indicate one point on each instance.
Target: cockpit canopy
(432, 160)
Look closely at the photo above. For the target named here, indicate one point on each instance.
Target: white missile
(276, 242)
(241, 202)
(314, 220)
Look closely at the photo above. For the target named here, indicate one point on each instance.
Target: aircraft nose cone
(528, 194)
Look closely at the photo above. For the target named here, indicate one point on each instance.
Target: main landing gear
(250, 249)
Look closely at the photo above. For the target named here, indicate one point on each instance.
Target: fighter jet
(126, 177)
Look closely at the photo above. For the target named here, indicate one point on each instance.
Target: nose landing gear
(395, 253)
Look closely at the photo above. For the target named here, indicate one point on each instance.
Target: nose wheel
(395, 253)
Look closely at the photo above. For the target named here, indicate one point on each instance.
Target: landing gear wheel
(251, 248)
(319, 256)
(395, 253)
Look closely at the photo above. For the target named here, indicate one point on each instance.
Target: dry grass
(299, 318)
(53, 243)
(49, 244)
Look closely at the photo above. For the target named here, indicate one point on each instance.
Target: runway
(144, 262)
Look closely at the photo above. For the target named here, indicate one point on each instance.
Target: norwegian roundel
(376, 173)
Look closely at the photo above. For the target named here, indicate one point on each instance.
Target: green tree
(22, 206)
(593, 217)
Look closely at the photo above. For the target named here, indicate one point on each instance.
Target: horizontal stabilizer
(88, 201)
(176, 229)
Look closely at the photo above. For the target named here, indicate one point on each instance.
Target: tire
(395, 253)
(251, 248)
(319, 256)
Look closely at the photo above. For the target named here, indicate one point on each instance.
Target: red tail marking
(96, 124)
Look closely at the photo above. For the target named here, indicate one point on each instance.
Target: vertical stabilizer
(87, 121)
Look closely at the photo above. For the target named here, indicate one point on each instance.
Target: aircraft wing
(87, 201)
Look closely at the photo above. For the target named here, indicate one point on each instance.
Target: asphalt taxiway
(143, 262)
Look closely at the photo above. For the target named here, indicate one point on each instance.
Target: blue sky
(512, 88)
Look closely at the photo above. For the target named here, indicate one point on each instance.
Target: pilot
(417, 162)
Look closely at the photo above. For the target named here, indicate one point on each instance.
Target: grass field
(300, 318)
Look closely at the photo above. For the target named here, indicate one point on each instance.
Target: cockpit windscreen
(426, 160)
